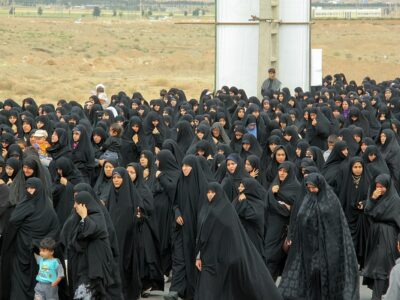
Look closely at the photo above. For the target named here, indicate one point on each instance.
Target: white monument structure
(254, 35)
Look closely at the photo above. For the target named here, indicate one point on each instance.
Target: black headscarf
(82, 153)
(378, 165)
(231, 181)
(104, 183)
(17, 188)
(15, 164)
(335, 165)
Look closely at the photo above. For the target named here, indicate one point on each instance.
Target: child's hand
(54, 284)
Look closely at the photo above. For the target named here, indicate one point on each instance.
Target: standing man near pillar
(271, 84)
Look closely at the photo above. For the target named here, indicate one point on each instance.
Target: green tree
(40, 11)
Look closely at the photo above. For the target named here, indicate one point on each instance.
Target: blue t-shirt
(49, 270)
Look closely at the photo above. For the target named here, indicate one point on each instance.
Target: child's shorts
(44, 291)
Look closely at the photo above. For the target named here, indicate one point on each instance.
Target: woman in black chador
(230, 268)
(382, 208)
(249, 205)
(189, 198)
(34, 219)
(164, 189)
(149, 254)
(323, 263)
(124, 206)
(88, 250)
(281, 196)
(353, 196)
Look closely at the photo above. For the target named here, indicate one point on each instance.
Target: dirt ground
(54, 58)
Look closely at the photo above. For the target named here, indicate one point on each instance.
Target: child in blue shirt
(50, 273)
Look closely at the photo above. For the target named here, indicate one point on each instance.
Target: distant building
(346, 13)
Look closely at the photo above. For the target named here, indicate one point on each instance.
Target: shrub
(96, 11)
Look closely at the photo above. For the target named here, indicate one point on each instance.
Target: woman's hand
(376, 194)
(254, 173)
(63, 181)
(198, 264)
(242, 197)
(179, 220)
(275, 189)
(81, 210)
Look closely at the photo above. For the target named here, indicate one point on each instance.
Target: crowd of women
(221, 195)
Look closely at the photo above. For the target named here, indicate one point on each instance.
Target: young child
(50, 273)
(112, 145)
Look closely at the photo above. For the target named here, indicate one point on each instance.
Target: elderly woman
(323, 264)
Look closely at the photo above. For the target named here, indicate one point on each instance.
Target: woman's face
(54, 137)
(246, 147)
(363, 147)
(231, 166)
(357, 169)
(248, 166)
(215, 132)
(210, 195)
(39, 124)
(135, 128)
(200, 135)
(345, 152)
(186, 169)
(31, 190)
(132, 173)
(108, 169)
(238, 135)
(312, 188)
(9, 171)
(287, 137)
(371, 157)
(240, 113)
(117, 181)
(282, 173)
(298, 152)
(280, 156)
(96, 139)
(357, 138)
(345, 105)
(76, 136)
(383, 138)
(272, 147)
(222, 121)
(12, 119)
(26, 127)
(143, 161)
(28, 172)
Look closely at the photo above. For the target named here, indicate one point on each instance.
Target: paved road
(364, 291)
